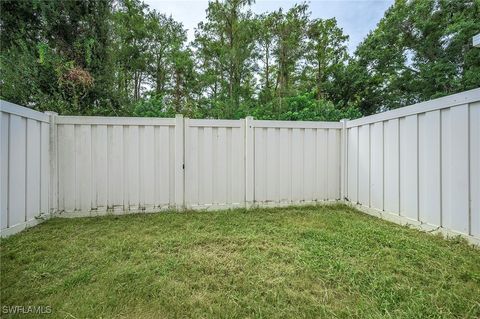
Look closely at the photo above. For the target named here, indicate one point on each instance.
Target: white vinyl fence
(214, 163)
(118, 164)
(24, 167)
(295, 162)
(418, 165)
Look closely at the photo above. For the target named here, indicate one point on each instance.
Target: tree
(289, 30)
(61, 49)
(326, 53)
(419, 50)
(131, 40)
(225, 46)
(265, 42)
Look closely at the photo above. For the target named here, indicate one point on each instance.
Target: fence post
(179, 162)
(249, 162)
(344, 161)
(52, 150)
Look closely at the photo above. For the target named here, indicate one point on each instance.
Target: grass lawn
(308, 262)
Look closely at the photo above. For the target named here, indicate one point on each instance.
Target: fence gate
(214, 163)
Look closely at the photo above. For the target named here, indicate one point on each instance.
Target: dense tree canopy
(122, 58)
(420, 50)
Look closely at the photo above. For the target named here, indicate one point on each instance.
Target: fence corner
(52, 150)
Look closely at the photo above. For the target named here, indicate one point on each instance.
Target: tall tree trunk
(319, 82)
(178, 93)
(267, 68)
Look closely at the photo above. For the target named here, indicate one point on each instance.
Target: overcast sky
(356, 17)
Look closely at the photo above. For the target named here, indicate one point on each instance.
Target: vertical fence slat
(191, 164)
(229, 162)
(220, 171)
(309, 167)
(164, 165)
(271, 165)
(364, 164)
(376, 159)
(132, 163)
(84, 167)
(475, 169)
(240, 158)
(249, 161)
(4, 168)
(33, 164)
(17, 177)
(322, 162)
(344, 161)
(259, 162)
(429, 168)
(333, 173)
(297, 164)
(115, 167)
(409, 167)
(392, 178)
(455, 176)
(179, 161)
(284, 172)
(352, 164)
(148, 164)
(207, 176)
(100, 161)
(51, 172)
(44, 168)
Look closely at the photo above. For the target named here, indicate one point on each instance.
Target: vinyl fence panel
(296, 162)
(420, 164)
(214, 164)
(25, 173)
(118, 164)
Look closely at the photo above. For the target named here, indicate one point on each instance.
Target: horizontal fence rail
(418, 164)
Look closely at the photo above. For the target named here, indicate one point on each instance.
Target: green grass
(309, 262)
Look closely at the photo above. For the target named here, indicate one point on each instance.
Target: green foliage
(420, 50)
(110, 57)
(152, 107)
(55, 55)
(305, 107)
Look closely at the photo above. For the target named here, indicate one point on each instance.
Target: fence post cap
(178, 116)
(51, 113)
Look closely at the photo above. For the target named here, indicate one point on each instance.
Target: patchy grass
(309, 262)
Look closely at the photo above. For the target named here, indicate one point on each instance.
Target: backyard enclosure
(419, 164)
